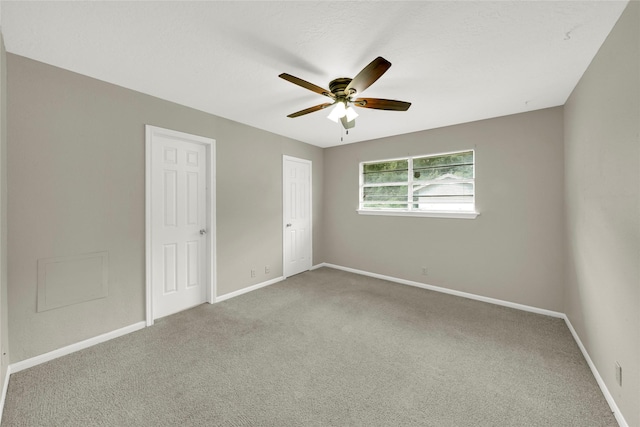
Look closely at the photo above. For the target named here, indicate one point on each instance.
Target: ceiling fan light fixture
(338, 112)
(351, 114)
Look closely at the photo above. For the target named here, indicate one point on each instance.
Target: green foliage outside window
(431, 180)
(458, 165)
(393, 171)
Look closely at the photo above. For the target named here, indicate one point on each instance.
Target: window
(437, 185)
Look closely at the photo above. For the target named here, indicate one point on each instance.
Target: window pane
(385, 197)
(441, 183)
(464, 158)
(390, 176)
(443, 190)
(453, 204)
(443, 173)
(392, 171)
(443, 196)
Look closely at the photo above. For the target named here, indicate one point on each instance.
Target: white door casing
(297, 218)
(180, 221)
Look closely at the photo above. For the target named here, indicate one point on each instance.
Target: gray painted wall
(602, 154)
(77, 185)
(4, 328)
(513, 251)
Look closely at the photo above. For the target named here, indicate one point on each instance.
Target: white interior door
(297, 215)
(179, 222)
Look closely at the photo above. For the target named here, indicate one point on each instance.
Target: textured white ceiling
(455, 61)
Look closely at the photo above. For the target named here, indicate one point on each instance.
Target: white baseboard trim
(449, 291)
(605, 391)
(5, 387)
(34, 361)
(37, 360)
(248, 289)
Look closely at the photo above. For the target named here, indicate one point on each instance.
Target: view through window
(435, 183)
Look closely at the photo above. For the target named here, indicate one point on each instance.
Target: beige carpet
(324, 348)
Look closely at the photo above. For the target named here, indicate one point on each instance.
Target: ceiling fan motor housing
(338, 86)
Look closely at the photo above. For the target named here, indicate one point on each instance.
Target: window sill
(457, 215)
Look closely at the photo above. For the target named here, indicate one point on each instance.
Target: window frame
(409, 183)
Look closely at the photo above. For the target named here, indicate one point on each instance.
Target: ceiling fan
(342, 92)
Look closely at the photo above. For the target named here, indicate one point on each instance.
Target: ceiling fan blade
(346, 124)
(368, 75)
(305, 84)
(382, 104)
(310, 110)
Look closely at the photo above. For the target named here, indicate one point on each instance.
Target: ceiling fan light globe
(351, 114)
(333, 118)
(338, 112)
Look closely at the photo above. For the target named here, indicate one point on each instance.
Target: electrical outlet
(425, 271)
(267, 269)
(253, 272)
(619, 374)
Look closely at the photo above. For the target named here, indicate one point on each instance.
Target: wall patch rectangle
(64, 281)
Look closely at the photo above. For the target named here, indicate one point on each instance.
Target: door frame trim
(284, 230)
(210, 146)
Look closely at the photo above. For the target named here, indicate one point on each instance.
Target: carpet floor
(323, 348)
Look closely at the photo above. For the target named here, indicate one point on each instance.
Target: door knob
(289, 225)
(203, 232)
